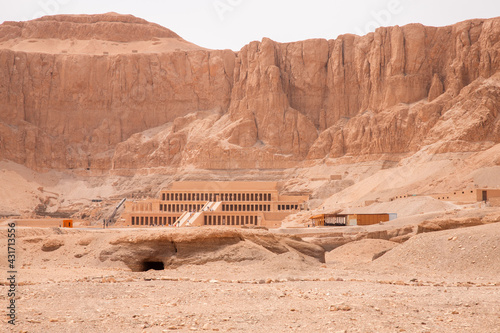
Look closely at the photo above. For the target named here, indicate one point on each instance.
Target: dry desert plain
(255, 280)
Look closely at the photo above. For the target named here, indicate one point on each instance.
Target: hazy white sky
(220, 24)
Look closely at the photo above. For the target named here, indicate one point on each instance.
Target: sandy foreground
(252, 281)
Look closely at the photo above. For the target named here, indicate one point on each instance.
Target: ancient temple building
(215, 203)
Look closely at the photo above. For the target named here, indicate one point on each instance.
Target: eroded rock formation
(101, 97)
(176, 248)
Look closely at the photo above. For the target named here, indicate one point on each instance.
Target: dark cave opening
(154, 265)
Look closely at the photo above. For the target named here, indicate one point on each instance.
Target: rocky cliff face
(271, 105)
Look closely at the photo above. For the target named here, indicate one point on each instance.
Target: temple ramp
(182, 219)
(195, 220)
(217, 206)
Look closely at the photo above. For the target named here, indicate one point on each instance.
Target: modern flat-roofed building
(336, 219)
(490, 195)
(215, 203)
(474, 195)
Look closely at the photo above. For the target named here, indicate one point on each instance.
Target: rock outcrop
(155, 100)
(445, 224)
(174, 248)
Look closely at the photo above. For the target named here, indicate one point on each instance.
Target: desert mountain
(410, 109)
(112, 92)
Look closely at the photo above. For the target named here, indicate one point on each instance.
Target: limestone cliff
(116, 92)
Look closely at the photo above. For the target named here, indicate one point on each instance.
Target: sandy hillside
(407, 207)
(469, 252)
(423, 173)
(359, 252)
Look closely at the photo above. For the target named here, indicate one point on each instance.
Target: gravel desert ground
(255, 281)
